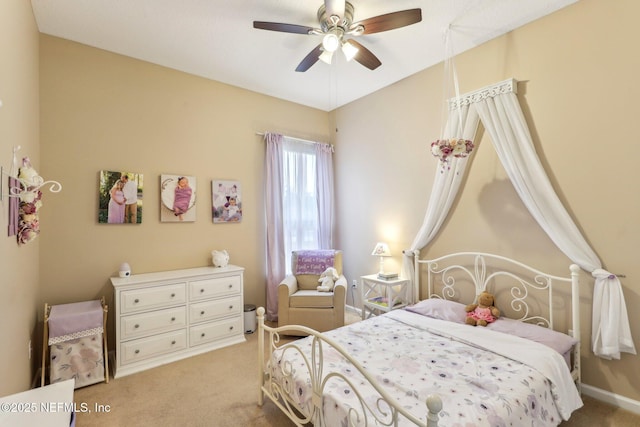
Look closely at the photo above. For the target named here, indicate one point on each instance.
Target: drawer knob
(173, 295)
(201, 290)
(230, 285)
(137, 351)
(136, 326)
(231, 328)
(202, 335)
(202, 313)
(230, 307)
(173, 319)
(136, 300)
(173, 342)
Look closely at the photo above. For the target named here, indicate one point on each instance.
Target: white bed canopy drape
(498, 108)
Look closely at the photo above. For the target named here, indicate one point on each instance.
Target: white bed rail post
(416, 275)
(434, 404)
(260, 314)
(575, 320)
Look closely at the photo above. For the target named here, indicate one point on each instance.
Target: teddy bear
(327, 280)
(482, 313)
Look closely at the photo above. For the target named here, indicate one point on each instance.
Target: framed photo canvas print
(120, 197)
(177, 198)
(227, 201)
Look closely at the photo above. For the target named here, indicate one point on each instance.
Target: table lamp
(381, 250)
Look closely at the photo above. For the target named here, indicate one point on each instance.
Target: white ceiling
(215, 39)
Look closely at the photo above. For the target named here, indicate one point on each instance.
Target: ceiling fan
(336, 24)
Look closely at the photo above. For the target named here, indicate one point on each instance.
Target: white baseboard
(612, 398)
(354, 310)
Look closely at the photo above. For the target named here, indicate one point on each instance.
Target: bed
(422, 365)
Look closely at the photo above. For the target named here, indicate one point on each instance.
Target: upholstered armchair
(299, 300)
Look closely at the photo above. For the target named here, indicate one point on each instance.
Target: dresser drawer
(208, 310)
(215, 330)
(155, 297)
(219, 286)
(145, 348)
(138, 325)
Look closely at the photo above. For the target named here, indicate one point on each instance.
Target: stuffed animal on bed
(327, 280)
(482, 313)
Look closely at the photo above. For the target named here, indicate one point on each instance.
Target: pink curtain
(324, 172)
(276, 266)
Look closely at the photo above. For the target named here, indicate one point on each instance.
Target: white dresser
(170, 315)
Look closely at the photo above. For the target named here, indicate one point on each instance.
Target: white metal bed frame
(473, 267)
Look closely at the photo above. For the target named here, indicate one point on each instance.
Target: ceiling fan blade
(389, 21)
(310, 59)
(364, 56)
(334, 7)
(285, 28)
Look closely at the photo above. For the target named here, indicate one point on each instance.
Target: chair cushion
(311, 298)
(310, 281)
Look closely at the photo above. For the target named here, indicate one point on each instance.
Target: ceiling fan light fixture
(331, 42)
(326, 57)
(349, 50)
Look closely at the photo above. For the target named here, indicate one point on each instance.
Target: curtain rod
(306, 141)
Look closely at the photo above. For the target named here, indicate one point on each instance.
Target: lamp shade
(326, 56)
(349, 50)
(331, 42)
(381, 249)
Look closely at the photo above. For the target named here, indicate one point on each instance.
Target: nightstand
(381, 296)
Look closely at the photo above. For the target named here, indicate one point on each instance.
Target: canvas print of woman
(116, 204)
(120, 197)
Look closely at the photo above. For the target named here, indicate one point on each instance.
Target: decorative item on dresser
(165, 316)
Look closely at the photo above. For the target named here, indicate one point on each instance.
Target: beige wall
(102, 111)
(18, 126)
(579, 71)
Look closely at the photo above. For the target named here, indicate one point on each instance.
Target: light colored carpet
(220, 389)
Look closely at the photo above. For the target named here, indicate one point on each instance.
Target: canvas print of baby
(178, 198)
(227, 201)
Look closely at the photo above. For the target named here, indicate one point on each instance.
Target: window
(299, 197)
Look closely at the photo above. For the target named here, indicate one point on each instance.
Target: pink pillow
(441, 309)
(556, 340)
(455, 312)
(314, 261)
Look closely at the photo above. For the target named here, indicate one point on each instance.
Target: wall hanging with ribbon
(25, 198)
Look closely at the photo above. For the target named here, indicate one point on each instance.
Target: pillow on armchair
(308, 265)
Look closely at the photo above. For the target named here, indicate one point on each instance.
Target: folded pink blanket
(314, 261)
(181, 200)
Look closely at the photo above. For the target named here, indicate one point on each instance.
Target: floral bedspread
(478, 387)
